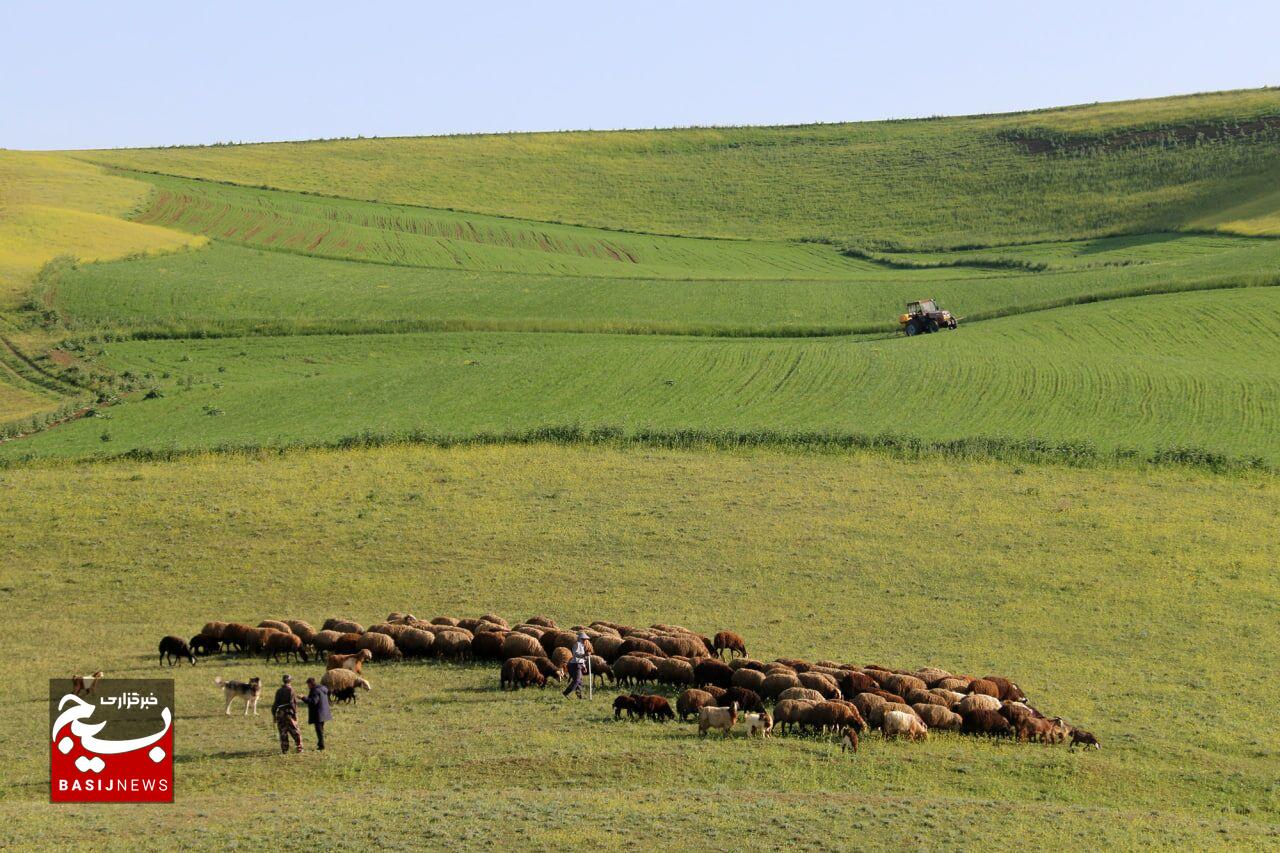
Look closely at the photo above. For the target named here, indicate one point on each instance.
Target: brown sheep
(453, 643)
(777, 682)
(347, 643)
(236, 634)
(520, 672)
(303, 630)
(415, 642)
(600, 670)
(638, 644)
(214, 630)
(790, 713)
(1029, 728)
(394, 631)
(495, 619)
(949, 698)
(956, 683)
(820, 682)
(746, 700)
(628, 704)
(562, 640)
(545, 666)
(688, 702)
(560, 656)
(713, 671)
(519, 645)
(716, 692)
(282, 627)
(900, 707)
(278, 643)
(656, 708)
(632, 669)
(684, 646)
(675, 672)
(487, 645)
(985, 722)
(853, 682)
(748, 678)
(728, 641)
(342, 626)
(834, 716)
(1008, 691)
(529, 630)
(871, 707)
(890, 697)
(445, 622)
(353, 662)
(903, 684)
(541, 621)
(343, 679)
(801, 693)
(931, 675)
(938, 717)
(1080, 736)
(984, 687)
(977, 702)
(256, 638)
(747, 663)
(323, 641)
(382, 646)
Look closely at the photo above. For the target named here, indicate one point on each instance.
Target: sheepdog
(250, 691)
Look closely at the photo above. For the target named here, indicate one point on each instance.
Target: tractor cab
(924, 316)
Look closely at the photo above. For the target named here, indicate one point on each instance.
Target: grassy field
(1138, 605)
(1081, 374)
(929, 183)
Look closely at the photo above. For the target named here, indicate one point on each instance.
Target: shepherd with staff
(578, 666)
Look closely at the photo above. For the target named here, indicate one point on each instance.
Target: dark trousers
(319, 735)
(575, 681)
(287, 724)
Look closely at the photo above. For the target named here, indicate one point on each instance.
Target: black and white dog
(250, 691)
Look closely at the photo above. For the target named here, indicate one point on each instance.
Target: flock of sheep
(806, 697)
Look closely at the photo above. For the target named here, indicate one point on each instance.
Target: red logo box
(111, 740)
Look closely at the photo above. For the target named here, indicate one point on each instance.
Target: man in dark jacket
(318, 709)
(285, 711)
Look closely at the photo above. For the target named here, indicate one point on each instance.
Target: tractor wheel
(912, 329)
(931, 326)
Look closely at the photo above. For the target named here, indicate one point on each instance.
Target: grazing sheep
(215, 630)
(761, 724)
(236, 634)
(632, 669)
(445, 622)
(747, 663)
(204, 645)
(520, 672)
(347, 644)
(608, 647)
(521, 645)
(853, 682)
(849, 740)
(832, 715)
(903, 684)
(303, 630)
(452, 643)
(915, 697)
(600, 670)
(791, 713)
(713, 671)
(728, 641)
(751, 679)
(688, 702)
(174, 650)
(341, 679)
(560, 656)
(675, 672)
(529, 630)
(656, 708)
(495, 619)
(392, 630)
(801, 693)
(342, 626)
(1008, 691)
(278, 643)
(985, 722)
(628, 704)
(821, 682)
(1029, 728)
(345, 695)
(711, 717)
(938, 717)
(638, 644)
(777, 682)
(954, 683)
(353, 662)
(897, 724)
(415, 642)
(949, 698)
(323, 641)
(890, 697)
(684, 645)
(871, 707)
(977, 702)
(282, 627)
(541, 621)
(984, 687)
(1080, 736)
(561, 639)
(746, 700)
(931, 675)
(487, 645)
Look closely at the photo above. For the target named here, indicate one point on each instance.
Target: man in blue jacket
(318, 709)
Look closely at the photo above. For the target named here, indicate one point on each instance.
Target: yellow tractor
(925, 316)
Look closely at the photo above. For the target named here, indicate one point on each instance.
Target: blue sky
(127, 74)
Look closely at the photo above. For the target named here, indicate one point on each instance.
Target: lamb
(342, 626)
(897, 724)
(600, 670)
(688, 702)
(655, 708)
(849, 740)
(938, 717)
(277, 643)
(520, 672)
(345, 695)
(353, 662)
(174, 649)
(1080, 736)
(625, 703)
(746, 700)
(341, 679)
(710, 717)
(760, 723)
(84, 684)
(728, 641)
